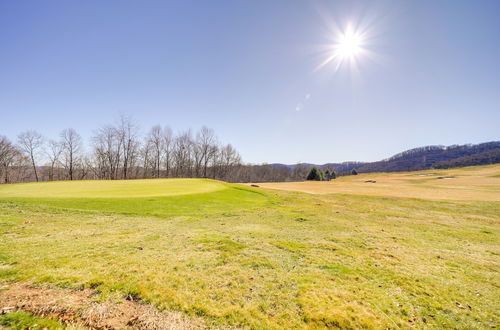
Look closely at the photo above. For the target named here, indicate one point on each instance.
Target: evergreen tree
(321, 175)
(315, 174)
(333, 175)
(354, 172)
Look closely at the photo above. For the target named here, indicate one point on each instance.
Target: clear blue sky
(243, 67)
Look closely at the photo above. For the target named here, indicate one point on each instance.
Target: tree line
(118, 151)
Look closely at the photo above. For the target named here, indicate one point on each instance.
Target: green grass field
(263, 258)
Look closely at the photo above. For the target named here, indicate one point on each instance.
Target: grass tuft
(22, 320)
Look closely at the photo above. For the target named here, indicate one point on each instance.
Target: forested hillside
(436, 156)
(483, 158)
(410, 160)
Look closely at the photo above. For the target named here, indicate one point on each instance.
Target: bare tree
(156, 143)
(168, 145)
(53, 153)
(107, 150)
(5, 150)
(207, 143)
(127, 135)
(8, 154)
(31, 142)
(197, 157)
(145, 154)
(85, 165)
(226, 160)
(183, 152)
(72, 147)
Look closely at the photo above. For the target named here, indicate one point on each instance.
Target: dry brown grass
(470, 183)
(79, 308)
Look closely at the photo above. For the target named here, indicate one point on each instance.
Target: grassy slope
(468, 183)
(111, 189)
(266, 258)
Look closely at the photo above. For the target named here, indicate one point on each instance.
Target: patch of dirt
(79, 308)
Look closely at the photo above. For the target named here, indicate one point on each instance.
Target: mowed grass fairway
(112, 189)
(419, 251)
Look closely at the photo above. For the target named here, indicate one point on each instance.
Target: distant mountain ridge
(422, 158)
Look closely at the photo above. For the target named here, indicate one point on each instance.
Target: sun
(349, 44)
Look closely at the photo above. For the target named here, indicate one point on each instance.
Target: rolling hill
(422, 158)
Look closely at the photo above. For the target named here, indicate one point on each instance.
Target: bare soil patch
(80, 308)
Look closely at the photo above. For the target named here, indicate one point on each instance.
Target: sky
(424, 73)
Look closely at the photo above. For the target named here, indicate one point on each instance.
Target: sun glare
(349, 44)
(347, 47)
